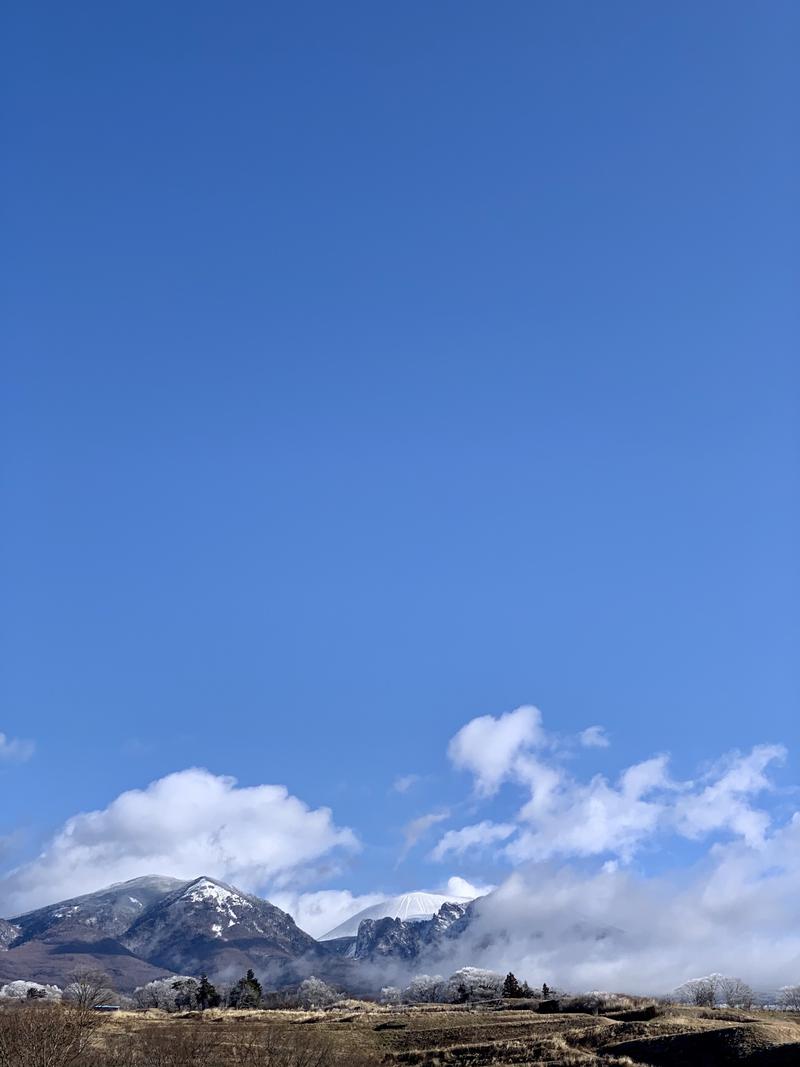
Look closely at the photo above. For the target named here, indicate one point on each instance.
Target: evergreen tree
(207, 996)
(511, 987)
(546, 994)
(525, 990)
(246, 993)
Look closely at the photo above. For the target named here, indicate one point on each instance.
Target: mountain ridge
(157, 925)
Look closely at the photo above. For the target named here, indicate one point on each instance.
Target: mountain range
(154, 926)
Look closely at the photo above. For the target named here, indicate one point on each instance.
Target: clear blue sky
(372, 367)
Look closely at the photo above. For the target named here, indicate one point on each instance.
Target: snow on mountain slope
(207, 921)
(107, 913)
(410, 907)
(8, 933)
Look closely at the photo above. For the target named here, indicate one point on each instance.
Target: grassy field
(358, 1034)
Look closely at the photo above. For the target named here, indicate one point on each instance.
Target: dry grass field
(357, 1034)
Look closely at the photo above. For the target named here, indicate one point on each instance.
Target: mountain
(107, 913)
(53, 963)
(154, 927)
(207, 925)
(8, 933)
(409, 907)
(398, 939)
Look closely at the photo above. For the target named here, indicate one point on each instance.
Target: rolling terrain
(361, 1035)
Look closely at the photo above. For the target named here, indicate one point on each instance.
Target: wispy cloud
(404, 782)
(470, 838)
(15, 750)
(417, 828)
(594, 737)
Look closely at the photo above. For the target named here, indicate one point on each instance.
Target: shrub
(44, 1034)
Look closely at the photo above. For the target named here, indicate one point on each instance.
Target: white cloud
(417, 828)
(460, 887)
(571, 818)
(324, 910)
(489, 747)
(404, 782)
(594, 737)
(15, 750)
(186, 824)
(457, 842)
(737, 913)
(723, 803)
(593, 818)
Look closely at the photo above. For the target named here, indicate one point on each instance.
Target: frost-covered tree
(390, 994)
(472, 984)
(22, 990)
(314, 993)
(736, 993)
(789, 997)
(702, 992)
(164, 993)
(424, 988)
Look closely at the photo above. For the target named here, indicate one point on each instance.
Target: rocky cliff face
(399, 940)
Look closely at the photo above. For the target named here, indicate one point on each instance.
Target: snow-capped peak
(205, 889)
(222, 900)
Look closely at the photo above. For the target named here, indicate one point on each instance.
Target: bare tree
(736, 993)
(789, 997)
(87, 988)
(702, 992)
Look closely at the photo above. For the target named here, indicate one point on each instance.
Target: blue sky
(374, 368)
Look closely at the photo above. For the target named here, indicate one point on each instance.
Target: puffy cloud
(15, 750)
(723, 803)
(567, 817)
(489, 747)
(593, 818)
(456, 842)
(460, 887)
(324, 910)
(186, 824)
(594, 737)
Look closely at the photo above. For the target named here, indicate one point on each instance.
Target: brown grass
(358, 1034)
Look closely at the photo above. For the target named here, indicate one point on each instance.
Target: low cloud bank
(738, 913)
